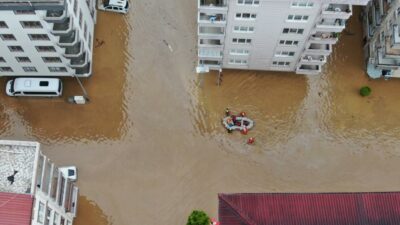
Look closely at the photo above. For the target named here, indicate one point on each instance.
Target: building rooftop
(15, 209)
(17, 162)
(310, 209)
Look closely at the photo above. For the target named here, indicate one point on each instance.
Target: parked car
(118, 6)
(34, 87)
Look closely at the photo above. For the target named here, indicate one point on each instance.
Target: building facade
(286, 35)
(382, 38)
(28, 174)
(46, 37)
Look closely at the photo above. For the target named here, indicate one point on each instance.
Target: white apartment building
(34, 191)
(382, 38)
(46, 37)
(278, 35)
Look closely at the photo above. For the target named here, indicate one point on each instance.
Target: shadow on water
(90, 213)
(103, 118)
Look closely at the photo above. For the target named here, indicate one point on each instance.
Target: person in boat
(233, 119)
(227, 112)
(246, 123)
(230, 122)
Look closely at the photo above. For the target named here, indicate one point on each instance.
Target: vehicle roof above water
(120, 3)
(33, 84)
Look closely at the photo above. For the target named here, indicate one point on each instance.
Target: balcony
(68, 40)
(213, 6)
(85, 71)
(308, 69)
(79, 62)
(324, 37)
(211, 32)
(313, 59)
(216, 43)
(387, 62)
(73, 51)
(213, 19)
(55, 15)
(319, 49)
(331, 25)
(62, 28)
(211, 64)
(337, 11)
(210, 53)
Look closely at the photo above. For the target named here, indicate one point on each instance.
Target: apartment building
(46, 37)
(33, 190)
(382, 38)
(284, 35)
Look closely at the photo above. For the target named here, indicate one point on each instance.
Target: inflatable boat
(239, 124)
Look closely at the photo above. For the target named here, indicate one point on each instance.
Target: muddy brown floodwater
(150, 148)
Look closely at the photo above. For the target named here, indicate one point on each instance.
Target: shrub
(365, 91)
(198, 217)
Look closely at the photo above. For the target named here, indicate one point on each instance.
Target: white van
(34, 86)
(119, 6)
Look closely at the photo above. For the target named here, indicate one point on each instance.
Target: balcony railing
(213, 5)
(55, 15)
(209, 53)
(212, 31)
(69, 40)
(331, 25)
(308, 69)
(211, 18)
(342, 11)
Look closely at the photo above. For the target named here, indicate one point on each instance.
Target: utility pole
(79, 99)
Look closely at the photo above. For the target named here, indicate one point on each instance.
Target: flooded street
(150, 147)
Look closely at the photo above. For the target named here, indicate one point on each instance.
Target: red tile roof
(15, 209)
(310, 209)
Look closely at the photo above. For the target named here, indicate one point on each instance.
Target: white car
(34, 87)
(118, 6)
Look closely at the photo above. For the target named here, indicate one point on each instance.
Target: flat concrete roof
(30, 4)
(17, 162)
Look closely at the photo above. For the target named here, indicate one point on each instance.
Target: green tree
(198, 217)
(365, 91)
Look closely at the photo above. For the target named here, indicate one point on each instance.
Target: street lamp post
(78, 99)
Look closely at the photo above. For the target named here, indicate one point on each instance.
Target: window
(241, 40)
(297, 18)
(7, 37)
(6, 69)
(289, 42)
(248, 2)
(246, 16)
(21, 12)
(2, 60)
(76, 7)
(29, 69)
(281, 63)
(56, 218)
(85, 32)
(31, 24)
(3, 24)
(39, 37)
(40, 215)
(292, 31)
(284, 54)
(80, 18)
(239, 52)
(51, 59)
(45, 49)
(238, 61)
(15, 48)
(48, 215)
(62, 222)
(243, 29)
(90, 41)
(57, 69)
(23, 59)
(303, 4)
